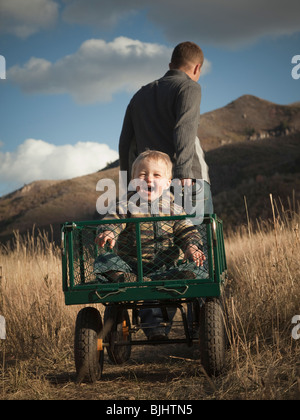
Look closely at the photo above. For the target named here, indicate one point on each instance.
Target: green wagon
(123, 300)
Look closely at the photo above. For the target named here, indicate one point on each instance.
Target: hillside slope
(247, 118)
(254, 170)
(45, 203)
(239, 166)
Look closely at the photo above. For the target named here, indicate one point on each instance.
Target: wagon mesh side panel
(84, 253)
(157, 238)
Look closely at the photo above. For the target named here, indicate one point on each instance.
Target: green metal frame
(91, 293)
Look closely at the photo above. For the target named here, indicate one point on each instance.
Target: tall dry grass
(32, 299)
(264, 267)
(263, 358)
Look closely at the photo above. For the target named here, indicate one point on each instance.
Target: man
(164, 115)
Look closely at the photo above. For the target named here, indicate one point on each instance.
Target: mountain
(252, 171)
(252, 148)
(247, 118)
(45, 203)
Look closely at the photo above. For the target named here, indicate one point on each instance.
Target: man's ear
(197, 69)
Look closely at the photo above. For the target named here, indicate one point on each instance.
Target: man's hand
(106, 236)
(182, 182)
(195, 254)
(187, 181)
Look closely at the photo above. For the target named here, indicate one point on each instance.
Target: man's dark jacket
(164, 115)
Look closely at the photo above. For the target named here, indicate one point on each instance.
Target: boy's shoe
(184, 274)
(128, 277)
(178, 275)
(114, 276)
(120, 277)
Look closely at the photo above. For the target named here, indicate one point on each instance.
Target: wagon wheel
(117, 323)
(212, 337)
(88, 348)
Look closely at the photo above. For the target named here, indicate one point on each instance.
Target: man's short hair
(186, 54)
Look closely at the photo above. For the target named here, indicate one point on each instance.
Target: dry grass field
(36, 359)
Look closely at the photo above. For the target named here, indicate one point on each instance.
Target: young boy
(160, 240)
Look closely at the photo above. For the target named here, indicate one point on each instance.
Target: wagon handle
(109, 293)
(166, 289)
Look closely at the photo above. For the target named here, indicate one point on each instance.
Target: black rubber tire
(212, 337)
(117, 320)
(88, 358)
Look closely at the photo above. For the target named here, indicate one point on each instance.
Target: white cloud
(218, 22)
(97, 71)
(36, 160)
(24, 18)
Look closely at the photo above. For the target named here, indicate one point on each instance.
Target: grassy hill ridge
(240, 165)
(247, 118)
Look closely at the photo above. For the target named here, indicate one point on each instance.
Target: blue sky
(73, 65)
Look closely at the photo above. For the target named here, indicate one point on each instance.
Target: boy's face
(154, 174)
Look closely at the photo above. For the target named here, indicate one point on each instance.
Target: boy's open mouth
(149, 191)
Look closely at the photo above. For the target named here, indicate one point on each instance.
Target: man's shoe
(194, 334)
(157, 337)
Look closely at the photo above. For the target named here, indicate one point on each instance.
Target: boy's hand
(195, 254)
(106, 236)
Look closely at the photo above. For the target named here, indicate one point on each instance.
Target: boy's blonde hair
(153, 155)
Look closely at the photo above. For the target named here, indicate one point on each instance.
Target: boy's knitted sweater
(159, 239)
